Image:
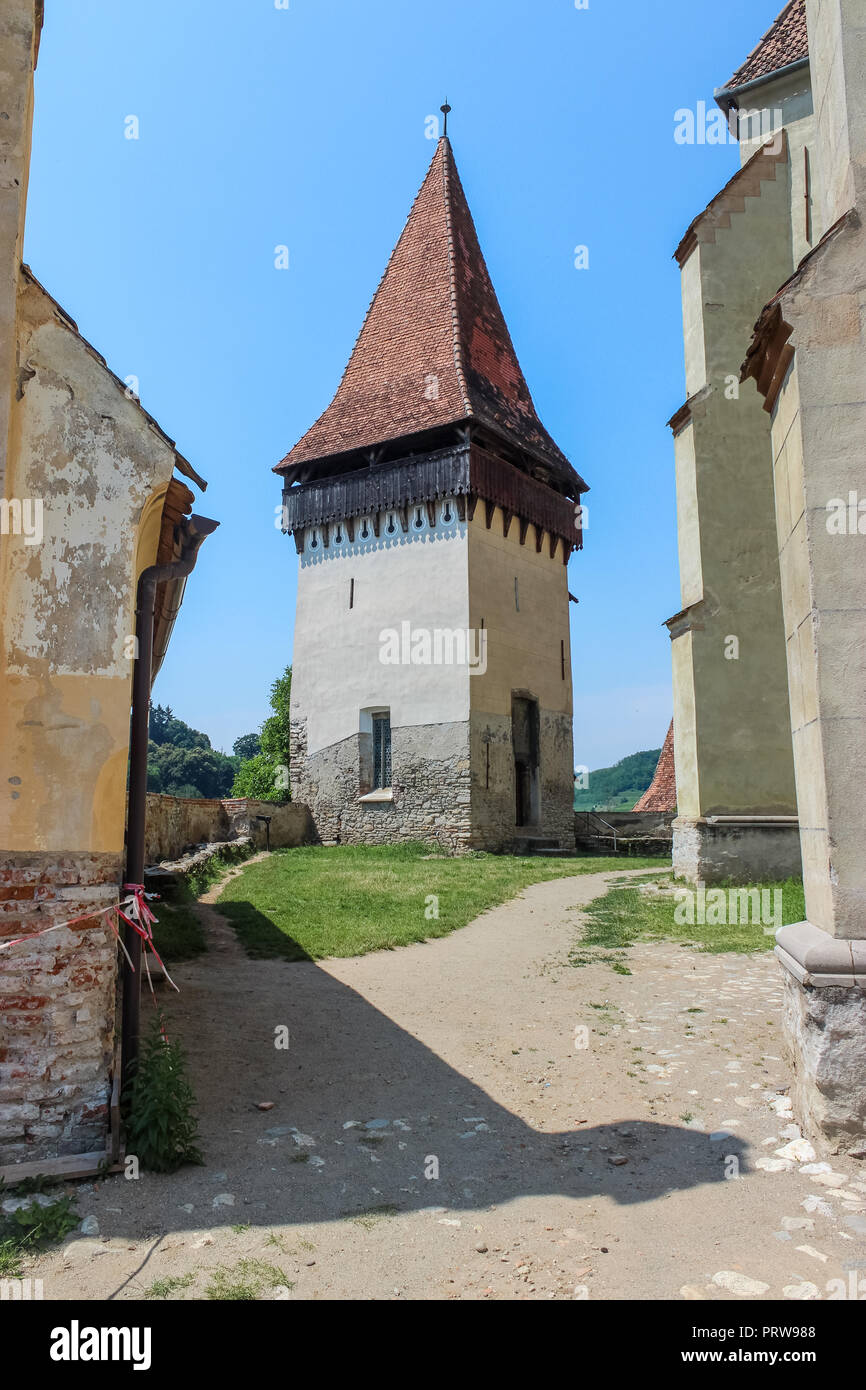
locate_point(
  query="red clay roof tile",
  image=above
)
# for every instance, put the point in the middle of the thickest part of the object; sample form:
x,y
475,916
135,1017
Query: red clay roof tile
x,y
785,42
434,348
661,795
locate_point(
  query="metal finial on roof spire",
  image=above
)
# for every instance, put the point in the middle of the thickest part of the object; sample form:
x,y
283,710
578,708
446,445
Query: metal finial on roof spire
x,y
445,109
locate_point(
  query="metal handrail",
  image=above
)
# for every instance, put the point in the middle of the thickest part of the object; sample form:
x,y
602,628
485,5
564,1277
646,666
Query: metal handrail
x,y
607,824
611,828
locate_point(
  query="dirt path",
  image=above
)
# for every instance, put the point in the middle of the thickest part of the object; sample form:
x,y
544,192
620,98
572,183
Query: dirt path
x,y
564,1170
221,939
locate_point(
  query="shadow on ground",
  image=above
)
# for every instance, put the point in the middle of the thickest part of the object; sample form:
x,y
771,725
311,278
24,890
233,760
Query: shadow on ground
x,y
362,1112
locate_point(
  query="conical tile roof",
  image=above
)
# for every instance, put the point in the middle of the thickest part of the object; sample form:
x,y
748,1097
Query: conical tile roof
x,y
434,349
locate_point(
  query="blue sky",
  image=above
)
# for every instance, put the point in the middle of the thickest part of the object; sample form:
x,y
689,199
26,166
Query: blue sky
x,y
305,127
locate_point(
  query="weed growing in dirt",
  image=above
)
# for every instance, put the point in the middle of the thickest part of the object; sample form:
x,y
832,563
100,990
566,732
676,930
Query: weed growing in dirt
x,y
33,1227
161,1126
162,1288
372,1216
245,1281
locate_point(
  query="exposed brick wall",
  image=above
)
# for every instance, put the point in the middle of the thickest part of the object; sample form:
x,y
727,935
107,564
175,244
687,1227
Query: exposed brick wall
x,y
57,1005
174,823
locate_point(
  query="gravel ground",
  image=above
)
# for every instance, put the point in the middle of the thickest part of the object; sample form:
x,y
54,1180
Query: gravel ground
x,y
473,1117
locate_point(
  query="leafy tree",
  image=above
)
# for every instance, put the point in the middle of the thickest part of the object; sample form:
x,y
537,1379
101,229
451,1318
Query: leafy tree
x,y
160,716
181,761
265,775
275,730
247,746
255,778
186,790
164,728
617,788
192,771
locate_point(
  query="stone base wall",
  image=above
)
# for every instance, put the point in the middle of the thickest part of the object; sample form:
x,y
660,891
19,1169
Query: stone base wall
x,y
705,853
176,825
173,824
57,1006
826,1034
291,823
430,783
494,825
447,789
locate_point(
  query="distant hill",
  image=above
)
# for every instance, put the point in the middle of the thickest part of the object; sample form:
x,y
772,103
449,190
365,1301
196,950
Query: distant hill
x,y
617,788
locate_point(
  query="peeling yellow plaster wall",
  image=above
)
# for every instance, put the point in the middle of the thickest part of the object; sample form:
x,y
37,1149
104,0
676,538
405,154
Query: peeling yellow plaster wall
x,y
100,469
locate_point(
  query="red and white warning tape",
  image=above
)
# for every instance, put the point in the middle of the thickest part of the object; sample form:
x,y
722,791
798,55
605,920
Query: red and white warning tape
x,y
135,913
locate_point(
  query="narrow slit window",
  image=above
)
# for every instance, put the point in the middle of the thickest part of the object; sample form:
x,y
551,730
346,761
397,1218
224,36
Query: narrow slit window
x,y
351,593
562,656
381,751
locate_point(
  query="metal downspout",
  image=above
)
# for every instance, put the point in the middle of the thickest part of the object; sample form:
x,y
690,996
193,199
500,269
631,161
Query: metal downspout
x,y
199,528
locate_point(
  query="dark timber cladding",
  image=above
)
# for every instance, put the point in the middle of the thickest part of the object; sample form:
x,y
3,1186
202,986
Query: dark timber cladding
x,y
465,473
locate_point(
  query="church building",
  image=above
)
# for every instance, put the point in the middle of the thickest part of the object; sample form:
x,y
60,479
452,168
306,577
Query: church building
x,y
434,518
769,646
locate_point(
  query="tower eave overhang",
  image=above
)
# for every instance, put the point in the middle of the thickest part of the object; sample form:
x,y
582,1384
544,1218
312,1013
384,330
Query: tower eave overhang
x,y
726,97
554,472
464,471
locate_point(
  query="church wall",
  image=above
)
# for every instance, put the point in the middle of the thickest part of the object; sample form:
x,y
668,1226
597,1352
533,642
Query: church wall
x,y
819,423
838,61
792,96
728,646
685,726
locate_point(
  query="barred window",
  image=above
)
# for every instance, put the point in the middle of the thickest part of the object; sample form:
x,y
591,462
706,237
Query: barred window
x,y
381,751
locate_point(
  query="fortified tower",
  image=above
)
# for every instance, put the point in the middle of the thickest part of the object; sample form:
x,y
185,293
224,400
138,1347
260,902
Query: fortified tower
x,y
434,518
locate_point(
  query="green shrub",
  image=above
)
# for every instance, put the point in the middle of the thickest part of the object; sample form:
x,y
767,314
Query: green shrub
x,y
161,1128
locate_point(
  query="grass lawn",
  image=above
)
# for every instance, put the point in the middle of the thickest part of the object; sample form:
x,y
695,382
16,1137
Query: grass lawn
x,y
625,915
178,934
312,902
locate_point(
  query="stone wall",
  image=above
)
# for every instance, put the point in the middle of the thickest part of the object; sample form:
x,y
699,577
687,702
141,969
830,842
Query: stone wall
x,y
637,825
706,853
291,822
494,826
175,824
430,786
444,790
56,1006
826,1035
